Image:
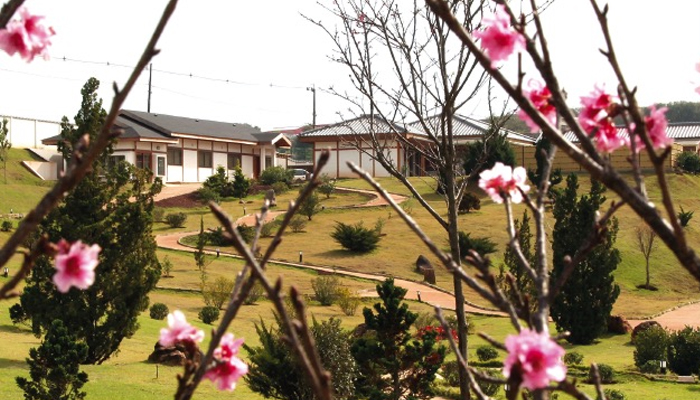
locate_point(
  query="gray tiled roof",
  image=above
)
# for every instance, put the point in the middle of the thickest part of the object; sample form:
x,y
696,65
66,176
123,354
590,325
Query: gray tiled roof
x,y
133,130
356,126
681,131
170,124
467,127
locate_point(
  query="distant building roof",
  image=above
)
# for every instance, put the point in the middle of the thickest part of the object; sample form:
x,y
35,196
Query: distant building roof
x,y
356,126
463,127
680,132
193,128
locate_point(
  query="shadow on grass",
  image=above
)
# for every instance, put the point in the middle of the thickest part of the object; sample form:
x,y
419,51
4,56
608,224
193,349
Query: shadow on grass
x,y
339,253
7,328
7,363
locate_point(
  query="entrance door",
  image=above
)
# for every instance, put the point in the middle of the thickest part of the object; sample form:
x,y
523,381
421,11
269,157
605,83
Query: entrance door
x,y
256,167
160,166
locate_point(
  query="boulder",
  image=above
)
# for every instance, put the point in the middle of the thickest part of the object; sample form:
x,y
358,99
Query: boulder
x,y
422,261
172,356
618,325
642,327
428,274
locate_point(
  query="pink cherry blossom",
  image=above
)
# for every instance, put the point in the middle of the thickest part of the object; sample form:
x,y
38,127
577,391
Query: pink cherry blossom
x,y
541,98
537,357
498,39
656,126
504,180
596,118
26,36
179,330
228,368
75,265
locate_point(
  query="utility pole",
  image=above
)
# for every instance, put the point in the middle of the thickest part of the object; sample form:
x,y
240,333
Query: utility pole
x,y
312,89
150,78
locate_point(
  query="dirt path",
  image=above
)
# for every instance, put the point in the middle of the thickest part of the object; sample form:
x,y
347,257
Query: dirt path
x,y
428,294
674,319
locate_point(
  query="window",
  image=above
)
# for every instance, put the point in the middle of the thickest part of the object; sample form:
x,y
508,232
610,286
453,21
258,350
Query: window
x,y
234,160
143,161
204,159
112,161
689,148
161,165
174,156
268,162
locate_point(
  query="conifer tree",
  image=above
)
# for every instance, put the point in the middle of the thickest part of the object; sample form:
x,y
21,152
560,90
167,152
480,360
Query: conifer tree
x,y
111,207
584,304
391,364
54,367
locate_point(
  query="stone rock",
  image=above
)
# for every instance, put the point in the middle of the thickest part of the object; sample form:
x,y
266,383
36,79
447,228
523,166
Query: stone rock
x,y
642,327
618,325
428,274
172,356
271,198
422,261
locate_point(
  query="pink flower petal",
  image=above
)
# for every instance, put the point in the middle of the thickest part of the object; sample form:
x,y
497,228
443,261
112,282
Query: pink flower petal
x,y
179,330
504,180
541,98
498,39
75,265
538,358
26,36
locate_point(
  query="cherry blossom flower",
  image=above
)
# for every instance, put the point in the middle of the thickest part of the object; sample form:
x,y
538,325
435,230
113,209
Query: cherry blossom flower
x,y
179,330
541,98
596,118
536,357
656,126
503,180
228,368
26,36
498,39
75,265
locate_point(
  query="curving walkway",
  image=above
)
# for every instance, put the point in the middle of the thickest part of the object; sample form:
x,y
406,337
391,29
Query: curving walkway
x,y
675,319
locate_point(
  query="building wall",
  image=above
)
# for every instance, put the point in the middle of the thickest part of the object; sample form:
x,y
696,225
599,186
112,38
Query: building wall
x,y
342,152
28,132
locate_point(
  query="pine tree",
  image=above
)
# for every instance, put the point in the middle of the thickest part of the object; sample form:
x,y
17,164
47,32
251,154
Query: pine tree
x,y
54,367
584,304
111,207
391,364
543,148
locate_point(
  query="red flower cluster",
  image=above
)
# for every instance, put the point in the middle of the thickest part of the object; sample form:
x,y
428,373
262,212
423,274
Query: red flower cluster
x,y
439,332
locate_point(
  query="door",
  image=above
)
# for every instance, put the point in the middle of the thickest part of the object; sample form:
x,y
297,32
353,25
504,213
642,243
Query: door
x,y
256,167
160,166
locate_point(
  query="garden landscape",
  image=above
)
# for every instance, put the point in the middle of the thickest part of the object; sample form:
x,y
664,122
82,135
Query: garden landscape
x,y
548,255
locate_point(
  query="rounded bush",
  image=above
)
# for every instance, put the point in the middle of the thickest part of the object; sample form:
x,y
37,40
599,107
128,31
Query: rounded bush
x,y
614,394
176,220
356,238
689,161
650,367
573,358
469,202
209,314
276,174
486,353
280,187
159,311
650,344
606,372
6,226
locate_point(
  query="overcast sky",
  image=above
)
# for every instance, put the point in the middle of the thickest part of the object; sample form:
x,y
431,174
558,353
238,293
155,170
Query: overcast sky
x,y
269,54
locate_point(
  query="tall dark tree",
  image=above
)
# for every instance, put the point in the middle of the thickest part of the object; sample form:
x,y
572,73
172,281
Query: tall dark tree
x,y
391,364
543,149
111,207
584,304
54,367
275,371
484,153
